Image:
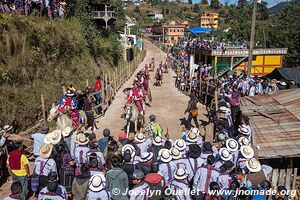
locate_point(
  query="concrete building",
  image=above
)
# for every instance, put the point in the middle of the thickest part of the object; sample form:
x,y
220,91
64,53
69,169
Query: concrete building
x,y
209,19
172,33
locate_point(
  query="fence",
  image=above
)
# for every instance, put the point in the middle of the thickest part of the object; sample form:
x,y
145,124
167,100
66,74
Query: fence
x,y
111,83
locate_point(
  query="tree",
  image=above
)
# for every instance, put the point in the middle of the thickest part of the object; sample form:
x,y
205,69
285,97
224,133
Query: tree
x,y
242,4
262,9
196,8
190,1
204,2
215,4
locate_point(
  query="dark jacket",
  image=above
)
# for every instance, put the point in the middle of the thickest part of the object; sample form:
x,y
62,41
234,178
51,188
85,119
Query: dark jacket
x,y
117,178
80,186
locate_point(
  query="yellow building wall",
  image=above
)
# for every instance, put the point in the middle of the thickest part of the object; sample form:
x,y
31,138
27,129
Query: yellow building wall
x,y
263,64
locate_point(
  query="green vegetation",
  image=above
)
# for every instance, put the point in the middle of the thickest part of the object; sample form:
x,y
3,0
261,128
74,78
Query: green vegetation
x,y
39,56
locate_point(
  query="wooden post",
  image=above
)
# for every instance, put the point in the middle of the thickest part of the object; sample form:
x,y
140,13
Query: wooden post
x,y
200,86
216,83
64,89
43,109
206,92
87,82
102,91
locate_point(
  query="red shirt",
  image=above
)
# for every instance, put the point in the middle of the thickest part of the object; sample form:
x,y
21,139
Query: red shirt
x,y
97,85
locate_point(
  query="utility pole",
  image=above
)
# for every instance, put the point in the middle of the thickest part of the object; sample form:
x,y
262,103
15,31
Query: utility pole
x,y
250,57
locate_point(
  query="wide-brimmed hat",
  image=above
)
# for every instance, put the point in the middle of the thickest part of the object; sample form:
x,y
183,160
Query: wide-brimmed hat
x,y
81,139
253,165
70,93
176,155
47,139
180,144
146,156
46,150
243,141
224,109
195,130
247,152
181,173
158,141
7,128
140,137
194,151
244,130
165,155
97,182
232,145
55,137
130,148
191,137
67,131
225,154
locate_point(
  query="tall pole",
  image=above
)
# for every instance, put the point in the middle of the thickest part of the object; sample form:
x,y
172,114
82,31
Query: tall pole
x,y
250,57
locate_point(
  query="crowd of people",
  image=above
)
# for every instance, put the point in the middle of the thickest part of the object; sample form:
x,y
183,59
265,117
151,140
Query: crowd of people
x,y
50,8
74,164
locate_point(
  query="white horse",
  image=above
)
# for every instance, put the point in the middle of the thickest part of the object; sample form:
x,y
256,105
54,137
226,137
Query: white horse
x,y
63,120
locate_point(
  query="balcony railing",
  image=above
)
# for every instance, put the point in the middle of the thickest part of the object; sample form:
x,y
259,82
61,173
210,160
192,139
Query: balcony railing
x,y
102,14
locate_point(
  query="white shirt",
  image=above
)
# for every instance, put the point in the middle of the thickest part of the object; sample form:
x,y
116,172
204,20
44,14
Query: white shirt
x,y
46,165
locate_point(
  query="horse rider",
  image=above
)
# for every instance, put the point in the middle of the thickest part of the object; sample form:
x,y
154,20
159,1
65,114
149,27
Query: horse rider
x,y
136,95
158,75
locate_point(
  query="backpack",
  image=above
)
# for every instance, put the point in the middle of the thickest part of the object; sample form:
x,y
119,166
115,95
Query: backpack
x,y
153,187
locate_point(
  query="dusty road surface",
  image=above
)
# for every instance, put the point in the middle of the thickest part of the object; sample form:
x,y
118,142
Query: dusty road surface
x,y
168,103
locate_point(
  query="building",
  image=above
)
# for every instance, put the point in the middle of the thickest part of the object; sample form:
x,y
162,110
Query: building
x,y
209,19
155,16
173,32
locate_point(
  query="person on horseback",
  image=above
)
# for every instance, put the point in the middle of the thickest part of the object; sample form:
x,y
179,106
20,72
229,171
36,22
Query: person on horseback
x,y
68,104
136,95
156,129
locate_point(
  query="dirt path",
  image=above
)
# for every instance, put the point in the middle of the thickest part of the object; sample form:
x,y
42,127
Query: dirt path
x,y
168,103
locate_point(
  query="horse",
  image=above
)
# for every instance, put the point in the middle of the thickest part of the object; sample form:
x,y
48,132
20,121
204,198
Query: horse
x,y
63,120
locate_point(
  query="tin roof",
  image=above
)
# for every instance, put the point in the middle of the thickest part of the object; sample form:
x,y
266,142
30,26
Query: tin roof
x,y
275,122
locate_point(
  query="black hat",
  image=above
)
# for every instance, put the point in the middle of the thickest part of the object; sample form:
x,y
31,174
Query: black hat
x,y
207,146
228,165
195,150
106,132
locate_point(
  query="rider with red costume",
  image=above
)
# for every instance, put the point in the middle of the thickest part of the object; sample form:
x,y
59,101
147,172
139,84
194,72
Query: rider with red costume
x,y
136,95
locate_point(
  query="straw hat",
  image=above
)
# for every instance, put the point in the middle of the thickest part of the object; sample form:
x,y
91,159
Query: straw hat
x,y
67,131
195,131
253,165
247,152
181,173
180,144
146,156
97,182
46,150
165,155
191,137
130,148
225,154
47,139
244,130
55,137
232,145
243,141
176,155
140,137
7,127
157,141
81,139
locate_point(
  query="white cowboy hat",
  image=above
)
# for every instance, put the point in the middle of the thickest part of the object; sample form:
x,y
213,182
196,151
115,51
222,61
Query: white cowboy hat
x,y
47,139
176,155
140,137
244,130
97,182
55,137
195,130
181,173
157,141
225,154
224,109
130,148
253,165
247,152
191,137
232,145
67,131
81,139
180,144
165,155
46,150
146,156
243,141
7,127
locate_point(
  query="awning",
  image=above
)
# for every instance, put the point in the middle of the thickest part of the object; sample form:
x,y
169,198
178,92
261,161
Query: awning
x,y
290,74
198,30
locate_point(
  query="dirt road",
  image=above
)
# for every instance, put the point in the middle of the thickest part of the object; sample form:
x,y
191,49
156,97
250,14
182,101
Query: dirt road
x,y
168,103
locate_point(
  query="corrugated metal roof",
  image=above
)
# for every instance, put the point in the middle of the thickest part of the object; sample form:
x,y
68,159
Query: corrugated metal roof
x,y
275,122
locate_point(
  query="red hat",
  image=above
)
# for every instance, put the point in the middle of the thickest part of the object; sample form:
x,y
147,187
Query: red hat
x,y
122,135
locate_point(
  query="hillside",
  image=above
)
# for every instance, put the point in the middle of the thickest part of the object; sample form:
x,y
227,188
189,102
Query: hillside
x,y
280,6
39,56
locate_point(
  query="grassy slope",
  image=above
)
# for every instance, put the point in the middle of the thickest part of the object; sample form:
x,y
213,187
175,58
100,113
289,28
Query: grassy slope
x,y
39,56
